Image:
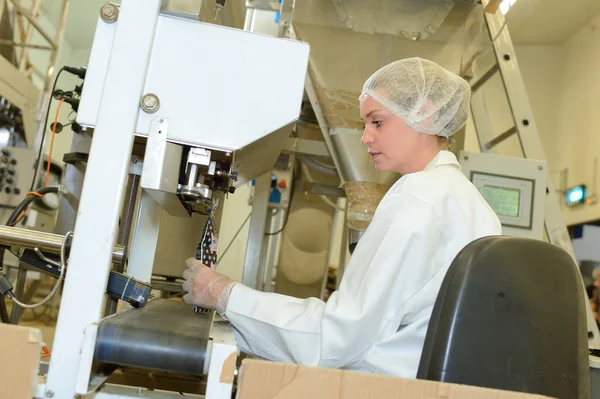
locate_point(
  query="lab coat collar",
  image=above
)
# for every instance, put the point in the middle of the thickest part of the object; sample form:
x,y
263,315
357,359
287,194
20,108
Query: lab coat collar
x,y
443,158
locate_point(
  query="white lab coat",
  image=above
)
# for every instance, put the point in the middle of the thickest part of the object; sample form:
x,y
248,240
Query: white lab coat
x,y
377,320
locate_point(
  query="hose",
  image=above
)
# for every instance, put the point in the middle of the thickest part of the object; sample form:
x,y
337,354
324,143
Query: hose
x,y
27,201
12,220
318,166
63,264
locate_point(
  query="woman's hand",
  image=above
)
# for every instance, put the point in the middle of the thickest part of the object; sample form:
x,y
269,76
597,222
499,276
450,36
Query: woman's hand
x,y
205,287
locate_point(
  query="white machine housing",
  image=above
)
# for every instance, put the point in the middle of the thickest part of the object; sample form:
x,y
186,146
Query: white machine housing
x,y
232,93
222,92
515,188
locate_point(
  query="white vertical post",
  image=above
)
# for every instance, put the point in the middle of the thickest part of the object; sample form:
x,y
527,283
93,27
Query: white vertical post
x,y
256,231
96,226
145,239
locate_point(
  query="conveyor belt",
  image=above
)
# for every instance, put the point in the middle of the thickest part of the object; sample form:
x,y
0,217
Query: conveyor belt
x,y
164,335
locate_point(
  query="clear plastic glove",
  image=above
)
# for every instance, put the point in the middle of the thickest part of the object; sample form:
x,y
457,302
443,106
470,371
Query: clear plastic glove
x,y
205,287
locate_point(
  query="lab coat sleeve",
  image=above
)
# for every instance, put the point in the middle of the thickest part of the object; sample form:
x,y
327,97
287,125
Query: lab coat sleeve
x,y
393,261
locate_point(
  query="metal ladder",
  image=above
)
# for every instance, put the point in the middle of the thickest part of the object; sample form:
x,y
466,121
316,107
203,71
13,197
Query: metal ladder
x,y
526,130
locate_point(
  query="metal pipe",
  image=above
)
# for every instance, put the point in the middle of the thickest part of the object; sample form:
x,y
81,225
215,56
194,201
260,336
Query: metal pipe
x,y
15,314
127,216
311,163
31,19
46,242
6,42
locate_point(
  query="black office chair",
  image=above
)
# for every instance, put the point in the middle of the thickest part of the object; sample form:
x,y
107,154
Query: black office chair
x,y
510,315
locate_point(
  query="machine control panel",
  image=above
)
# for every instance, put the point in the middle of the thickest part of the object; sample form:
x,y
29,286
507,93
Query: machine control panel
x,y
515,188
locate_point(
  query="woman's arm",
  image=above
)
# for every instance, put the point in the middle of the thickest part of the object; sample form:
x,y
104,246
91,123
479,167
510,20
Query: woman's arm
x,y
393,260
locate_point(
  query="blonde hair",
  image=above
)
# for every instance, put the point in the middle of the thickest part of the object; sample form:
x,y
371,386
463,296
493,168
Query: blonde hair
x,y
447,143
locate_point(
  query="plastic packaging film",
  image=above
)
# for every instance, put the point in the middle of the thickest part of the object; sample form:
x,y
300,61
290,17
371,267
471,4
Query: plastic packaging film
x,y
363,199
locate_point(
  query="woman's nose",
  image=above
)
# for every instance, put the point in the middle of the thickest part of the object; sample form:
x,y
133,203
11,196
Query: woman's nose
x,y
366,138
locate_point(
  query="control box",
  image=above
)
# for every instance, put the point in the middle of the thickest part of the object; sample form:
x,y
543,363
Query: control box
x,y
515,188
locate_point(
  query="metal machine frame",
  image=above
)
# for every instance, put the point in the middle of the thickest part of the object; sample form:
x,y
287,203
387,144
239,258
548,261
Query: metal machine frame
x,y
125,61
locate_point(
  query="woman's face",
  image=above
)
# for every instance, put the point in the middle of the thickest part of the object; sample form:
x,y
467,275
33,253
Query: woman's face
x,y
392,144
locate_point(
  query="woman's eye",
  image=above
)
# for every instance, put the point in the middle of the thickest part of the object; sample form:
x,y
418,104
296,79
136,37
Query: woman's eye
x,y
377,123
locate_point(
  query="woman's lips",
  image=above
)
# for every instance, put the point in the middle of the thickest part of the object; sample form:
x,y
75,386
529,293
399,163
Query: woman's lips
x,y
375,155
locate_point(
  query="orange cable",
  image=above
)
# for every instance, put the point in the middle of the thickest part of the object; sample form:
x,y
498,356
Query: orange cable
x,y
45,351
52,141
20,216
35,193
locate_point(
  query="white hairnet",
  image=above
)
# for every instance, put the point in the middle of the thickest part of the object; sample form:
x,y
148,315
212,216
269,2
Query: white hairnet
x,y
429,98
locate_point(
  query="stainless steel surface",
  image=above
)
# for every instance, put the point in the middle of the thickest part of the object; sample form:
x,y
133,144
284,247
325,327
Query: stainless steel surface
x,y
199,156
73,181
262,5
308,147
164,335
192,175
109,13
319,189
161,168
125,224
127,216
46,242
189,9
354,161
259,157
256,231
19,289
369,35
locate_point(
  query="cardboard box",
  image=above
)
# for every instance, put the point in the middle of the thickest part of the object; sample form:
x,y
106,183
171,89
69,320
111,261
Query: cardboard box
x,y
267,380
21,349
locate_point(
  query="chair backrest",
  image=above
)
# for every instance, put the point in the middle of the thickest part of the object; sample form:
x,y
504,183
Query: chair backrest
x,y
510,315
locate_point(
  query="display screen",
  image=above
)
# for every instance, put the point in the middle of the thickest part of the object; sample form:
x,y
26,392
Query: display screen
x,y
504,201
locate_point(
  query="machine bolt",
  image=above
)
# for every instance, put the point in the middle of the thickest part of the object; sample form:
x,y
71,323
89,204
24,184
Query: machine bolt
x,y
150,103
49,393
540,168
109,13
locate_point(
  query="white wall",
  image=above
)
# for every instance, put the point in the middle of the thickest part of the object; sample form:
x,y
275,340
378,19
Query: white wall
x,y
40,61
579,116
586,247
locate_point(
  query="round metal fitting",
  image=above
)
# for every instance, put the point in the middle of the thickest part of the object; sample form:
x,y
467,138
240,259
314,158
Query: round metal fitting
x,y
49,393
109,13
150,103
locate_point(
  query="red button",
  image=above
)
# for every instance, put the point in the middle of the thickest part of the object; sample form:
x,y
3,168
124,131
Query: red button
x,y
281,183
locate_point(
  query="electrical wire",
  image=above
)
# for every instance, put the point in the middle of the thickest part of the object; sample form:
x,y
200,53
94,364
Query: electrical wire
x,y
63,265
287,214
233,239
39,157
29,198
52,142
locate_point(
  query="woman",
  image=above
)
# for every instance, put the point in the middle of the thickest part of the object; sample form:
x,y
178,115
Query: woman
x,y
377,320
